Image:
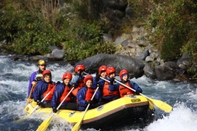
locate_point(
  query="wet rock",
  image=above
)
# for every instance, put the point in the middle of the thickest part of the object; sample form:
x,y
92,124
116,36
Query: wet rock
x,y
134,66
149,71
107,38
164,73
57,54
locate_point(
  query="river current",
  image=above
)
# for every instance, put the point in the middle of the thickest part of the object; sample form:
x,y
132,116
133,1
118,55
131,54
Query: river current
x,y
14,76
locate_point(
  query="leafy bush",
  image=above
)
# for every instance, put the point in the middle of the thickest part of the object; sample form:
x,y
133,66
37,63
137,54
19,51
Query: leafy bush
x,y
175,29
85,40
30,27
26,30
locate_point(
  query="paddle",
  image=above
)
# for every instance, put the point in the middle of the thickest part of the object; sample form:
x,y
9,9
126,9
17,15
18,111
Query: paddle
x,y
38,77
44,125
160,104
21,119
32,88
78,124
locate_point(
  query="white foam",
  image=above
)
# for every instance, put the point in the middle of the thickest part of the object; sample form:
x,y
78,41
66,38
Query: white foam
x,y
181,118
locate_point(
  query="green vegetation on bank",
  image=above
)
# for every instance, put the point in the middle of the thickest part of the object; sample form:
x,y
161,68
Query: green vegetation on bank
x,y
30,26
175,29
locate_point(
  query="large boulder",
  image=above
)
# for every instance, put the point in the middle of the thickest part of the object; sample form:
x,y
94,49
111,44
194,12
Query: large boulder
x,y
134,66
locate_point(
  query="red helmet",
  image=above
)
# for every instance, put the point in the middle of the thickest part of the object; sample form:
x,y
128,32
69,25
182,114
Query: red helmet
x,y
123,72
110,70
46,72
88,77
67,75
101,69
79,67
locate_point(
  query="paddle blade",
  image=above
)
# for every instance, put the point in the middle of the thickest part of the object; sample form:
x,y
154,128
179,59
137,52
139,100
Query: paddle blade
x,y
77,126
161,105
44,125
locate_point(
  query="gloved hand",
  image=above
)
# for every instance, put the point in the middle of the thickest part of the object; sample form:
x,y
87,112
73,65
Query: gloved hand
x,y
89,102
80,72
137,92
97,77
74,85
98,85
58,82
112,80
54,109
38,102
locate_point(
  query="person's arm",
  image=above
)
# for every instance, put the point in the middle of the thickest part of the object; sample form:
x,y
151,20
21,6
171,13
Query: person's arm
x,y
97,95
136,87
81,97
31,79
57,94
36,93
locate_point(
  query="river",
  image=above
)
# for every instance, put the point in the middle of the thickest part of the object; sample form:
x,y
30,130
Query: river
x,y
14,75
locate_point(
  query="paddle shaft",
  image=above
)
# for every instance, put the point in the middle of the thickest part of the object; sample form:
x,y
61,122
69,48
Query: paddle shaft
x,y
160,104
44,125
89,103
32,88
65,98
41,101
78,124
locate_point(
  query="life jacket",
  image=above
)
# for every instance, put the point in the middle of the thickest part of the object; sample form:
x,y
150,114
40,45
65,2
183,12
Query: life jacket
x,y
64,94
80,84
124,90
107,92
38,76
51,89
89,94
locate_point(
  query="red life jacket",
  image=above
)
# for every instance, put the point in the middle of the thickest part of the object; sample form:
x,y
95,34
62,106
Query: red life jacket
x,y
107,92
64,94
80,85
124,90
89,94
51,89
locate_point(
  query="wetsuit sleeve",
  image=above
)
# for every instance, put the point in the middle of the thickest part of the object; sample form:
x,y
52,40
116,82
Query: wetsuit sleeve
x,y
113,87
32,78
136,87
37,91
94,84
101,83
81,97
57,94
40,88
97,95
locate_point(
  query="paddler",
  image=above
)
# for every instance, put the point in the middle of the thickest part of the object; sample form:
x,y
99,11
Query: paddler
x,y
44,89
124,77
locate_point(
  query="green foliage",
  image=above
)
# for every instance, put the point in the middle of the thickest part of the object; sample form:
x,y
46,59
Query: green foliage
x,y
173,21
27,32
85,40
30,27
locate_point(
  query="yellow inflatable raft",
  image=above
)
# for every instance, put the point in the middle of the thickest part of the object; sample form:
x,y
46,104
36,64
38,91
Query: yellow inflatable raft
x,y
118,112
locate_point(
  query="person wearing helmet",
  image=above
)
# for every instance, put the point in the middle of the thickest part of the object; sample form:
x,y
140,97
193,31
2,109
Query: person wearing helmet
x,y
124,77
77,80
35,77
61,91
110,89
85,94
44,89
97,80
